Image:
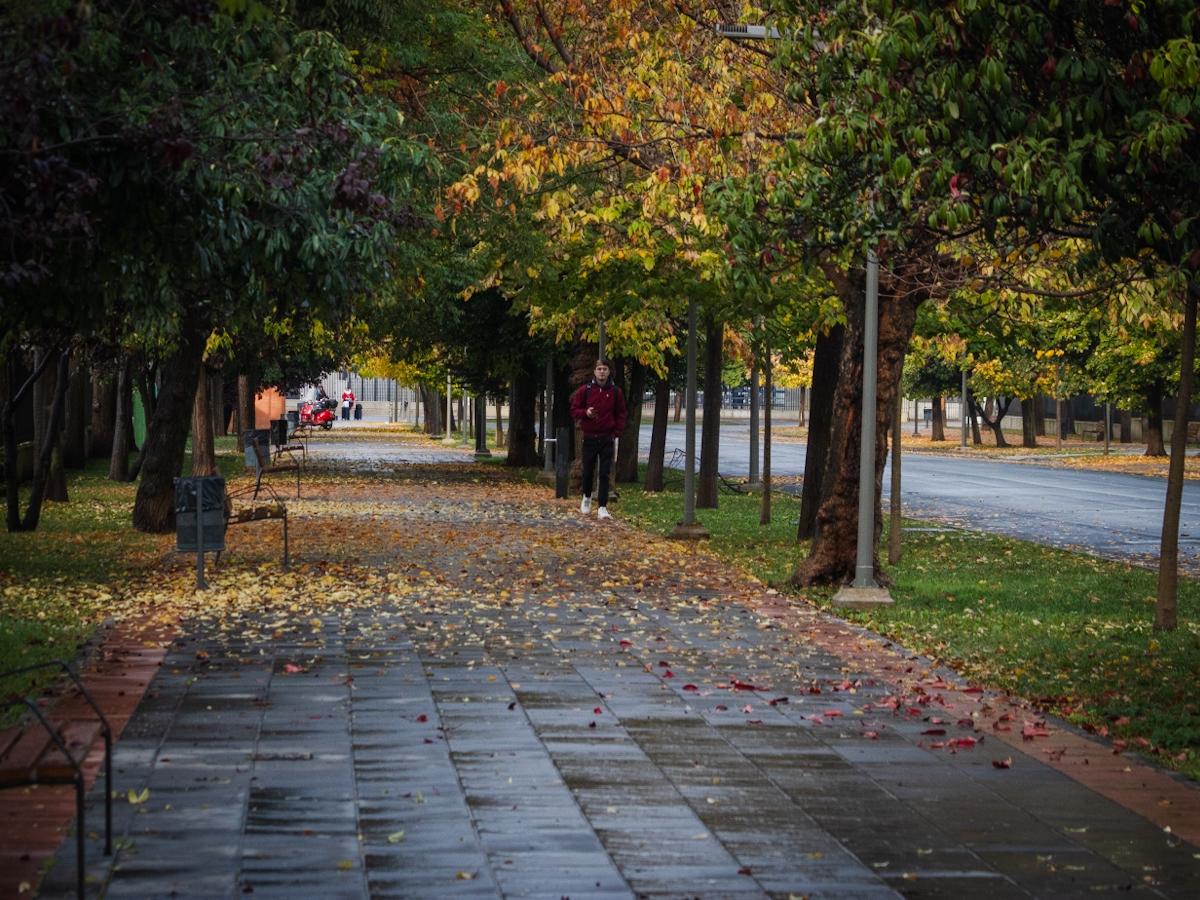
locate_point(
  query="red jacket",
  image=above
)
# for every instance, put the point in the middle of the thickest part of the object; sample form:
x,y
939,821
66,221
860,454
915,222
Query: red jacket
x,y
608,404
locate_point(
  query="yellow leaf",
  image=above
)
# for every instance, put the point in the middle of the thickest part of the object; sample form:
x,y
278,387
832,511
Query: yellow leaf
x,y
135,797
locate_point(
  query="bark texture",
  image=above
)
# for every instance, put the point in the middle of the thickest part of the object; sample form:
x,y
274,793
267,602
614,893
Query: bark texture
x,y
1029,434
625,469
658,435
832,559
1166,607
522,421
938,417
76,417
204,457
826,359
45,390
166,435
103,413
118,462
1152,425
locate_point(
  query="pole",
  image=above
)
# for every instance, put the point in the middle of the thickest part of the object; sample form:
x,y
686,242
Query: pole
x,y
449,437
963,406
754,418
1107,425
916,416
1058,435
864,569
601,341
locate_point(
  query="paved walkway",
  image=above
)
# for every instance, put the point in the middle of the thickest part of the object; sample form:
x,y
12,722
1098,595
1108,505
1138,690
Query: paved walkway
x,y
533,704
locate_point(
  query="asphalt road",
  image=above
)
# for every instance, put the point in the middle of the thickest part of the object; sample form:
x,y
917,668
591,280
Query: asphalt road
x,y
1112,515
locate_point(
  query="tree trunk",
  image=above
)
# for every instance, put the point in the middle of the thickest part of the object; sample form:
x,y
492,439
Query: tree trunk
x,y
678,405
1167,600
658,435
764,512
103,413
1126,418
499,423
800,414
1029,421
522,419
50,451
995,419
938,417
118,462
216,399
833,555
45,389
204,457
166,434
13,397
74,437
626,468
895,531
710,432
1039,415
1152,427
245,406
826,359
976,436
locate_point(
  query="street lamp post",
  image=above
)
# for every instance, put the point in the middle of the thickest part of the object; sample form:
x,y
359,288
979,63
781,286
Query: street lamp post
x,y
865,590
448,440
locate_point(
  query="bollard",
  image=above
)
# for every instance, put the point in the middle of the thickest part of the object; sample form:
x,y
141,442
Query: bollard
x,y
562,462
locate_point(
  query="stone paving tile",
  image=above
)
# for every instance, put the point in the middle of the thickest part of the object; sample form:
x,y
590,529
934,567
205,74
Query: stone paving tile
x,y
497,737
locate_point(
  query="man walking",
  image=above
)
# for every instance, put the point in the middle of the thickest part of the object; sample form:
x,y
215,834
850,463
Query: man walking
x,y
599,408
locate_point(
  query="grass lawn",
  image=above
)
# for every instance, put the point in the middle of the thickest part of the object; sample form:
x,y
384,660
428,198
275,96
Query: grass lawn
x,y
1068,631
55,581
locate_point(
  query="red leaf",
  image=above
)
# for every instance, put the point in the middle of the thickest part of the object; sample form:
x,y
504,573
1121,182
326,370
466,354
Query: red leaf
x,y
720,707
668,674
833,713
625,643
954,191
973,689
597,711
754,721
744,685
871,735
778,700
1034,730
745,870
690,687
1005,763
963,742
663,664
292,668
422,718
934,731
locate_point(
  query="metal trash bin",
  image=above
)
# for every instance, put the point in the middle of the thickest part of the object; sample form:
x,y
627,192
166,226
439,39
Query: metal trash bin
x,y
279,432
206,530
262,436
358,410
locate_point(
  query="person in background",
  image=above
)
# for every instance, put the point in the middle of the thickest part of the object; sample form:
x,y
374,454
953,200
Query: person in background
x,y
347,402
599,409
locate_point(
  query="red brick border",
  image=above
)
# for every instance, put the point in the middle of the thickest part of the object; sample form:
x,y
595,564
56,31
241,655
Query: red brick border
x,y
34,820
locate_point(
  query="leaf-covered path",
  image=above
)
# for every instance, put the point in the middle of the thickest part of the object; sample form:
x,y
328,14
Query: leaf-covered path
x,y
465,688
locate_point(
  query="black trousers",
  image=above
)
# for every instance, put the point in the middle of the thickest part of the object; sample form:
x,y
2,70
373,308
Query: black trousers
x,y
597,448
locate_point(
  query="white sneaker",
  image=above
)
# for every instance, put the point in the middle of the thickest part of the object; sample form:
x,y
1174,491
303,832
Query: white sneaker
x,y
602,513
585,505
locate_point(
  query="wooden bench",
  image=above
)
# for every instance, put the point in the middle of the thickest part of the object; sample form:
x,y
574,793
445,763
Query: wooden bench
x,y
264,465
247,514
45,750
1093,430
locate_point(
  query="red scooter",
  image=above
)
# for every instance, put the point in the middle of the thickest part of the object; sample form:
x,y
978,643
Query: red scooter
x,y
318,413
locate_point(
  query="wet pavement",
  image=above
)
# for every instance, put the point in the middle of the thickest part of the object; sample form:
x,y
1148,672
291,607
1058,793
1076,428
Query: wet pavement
x,y
538,705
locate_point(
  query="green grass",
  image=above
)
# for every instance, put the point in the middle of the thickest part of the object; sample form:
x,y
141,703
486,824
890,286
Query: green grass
x,y
53,580
1070,632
